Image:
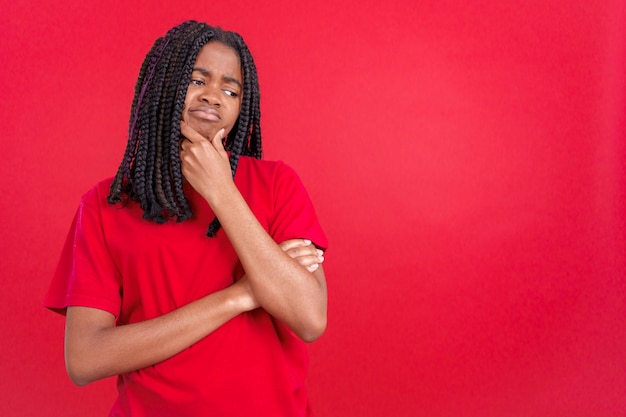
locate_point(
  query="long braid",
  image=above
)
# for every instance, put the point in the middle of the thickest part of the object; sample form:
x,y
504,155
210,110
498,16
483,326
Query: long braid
x,y
144,79
150,171
167,95
166,116
156,195
161,93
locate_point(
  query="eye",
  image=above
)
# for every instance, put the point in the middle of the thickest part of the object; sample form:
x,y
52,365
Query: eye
x,y
230,93
197,81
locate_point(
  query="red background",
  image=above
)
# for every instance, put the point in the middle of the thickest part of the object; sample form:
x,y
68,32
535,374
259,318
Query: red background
x,y
467,160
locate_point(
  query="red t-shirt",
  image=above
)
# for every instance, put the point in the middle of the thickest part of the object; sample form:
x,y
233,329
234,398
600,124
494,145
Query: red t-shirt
x,y
116,261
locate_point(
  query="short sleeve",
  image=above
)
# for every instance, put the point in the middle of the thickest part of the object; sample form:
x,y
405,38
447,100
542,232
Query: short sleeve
x,y
86,275
294,214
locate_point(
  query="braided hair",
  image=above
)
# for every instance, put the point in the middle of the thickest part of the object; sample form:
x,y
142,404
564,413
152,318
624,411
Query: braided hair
x,y
150,171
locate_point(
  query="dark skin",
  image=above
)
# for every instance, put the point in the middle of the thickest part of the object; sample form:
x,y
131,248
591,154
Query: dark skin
x,y
286,279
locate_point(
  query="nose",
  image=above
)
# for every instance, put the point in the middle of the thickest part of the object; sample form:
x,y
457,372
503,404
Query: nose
x,y
210,95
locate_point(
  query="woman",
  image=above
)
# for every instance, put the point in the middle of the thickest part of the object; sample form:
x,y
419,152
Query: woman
x,y
195,323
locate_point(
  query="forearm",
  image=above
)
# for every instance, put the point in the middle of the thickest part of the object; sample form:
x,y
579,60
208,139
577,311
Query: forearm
x,y
284,288
97,351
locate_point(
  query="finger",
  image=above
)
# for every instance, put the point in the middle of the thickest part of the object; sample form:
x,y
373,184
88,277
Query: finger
x,y
217,140
307,252
294,243
307,260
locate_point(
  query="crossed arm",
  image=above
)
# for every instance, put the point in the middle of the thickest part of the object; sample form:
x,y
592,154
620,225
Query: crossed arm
x,y
287,280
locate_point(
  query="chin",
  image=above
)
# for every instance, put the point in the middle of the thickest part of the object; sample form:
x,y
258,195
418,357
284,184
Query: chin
x,y
206,132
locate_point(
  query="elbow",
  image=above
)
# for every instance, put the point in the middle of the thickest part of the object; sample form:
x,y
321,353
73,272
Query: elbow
x,y
77,376
313,330
79,382
80,375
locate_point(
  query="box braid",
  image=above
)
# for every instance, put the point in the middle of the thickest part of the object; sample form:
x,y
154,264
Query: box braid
x,y
150,171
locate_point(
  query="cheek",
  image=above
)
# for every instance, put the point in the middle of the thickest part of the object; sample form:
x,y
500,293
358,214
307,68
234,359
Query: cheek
x,y
189,94
235,114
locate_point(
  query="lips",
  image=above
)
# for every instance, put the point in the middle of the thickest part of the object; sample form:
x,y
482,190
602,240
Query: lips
x,y
205,113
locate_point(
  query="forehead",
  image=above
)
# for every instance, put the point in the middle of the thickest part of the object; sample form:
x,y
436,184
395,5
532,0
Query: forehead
x,y
217,57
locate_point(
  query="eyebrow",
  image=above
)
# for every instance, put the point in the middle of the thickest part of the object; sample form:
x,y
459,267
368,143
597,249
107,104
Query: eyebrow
x,y
206,73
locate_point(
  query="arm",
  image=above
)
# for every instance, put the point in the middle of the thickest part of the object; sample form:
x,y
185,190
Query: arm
x,y
95,348
282,287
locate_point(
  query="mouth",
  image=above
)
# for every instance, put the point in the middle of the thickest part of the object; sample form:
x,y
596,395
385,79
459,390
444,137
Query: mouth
x,y
205,113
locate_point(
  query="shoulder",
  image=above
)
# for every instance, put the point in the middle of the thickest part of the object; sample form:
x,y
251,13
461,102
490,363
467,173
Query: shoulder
x,y
276,178
266,181
263,169
248,162
97,195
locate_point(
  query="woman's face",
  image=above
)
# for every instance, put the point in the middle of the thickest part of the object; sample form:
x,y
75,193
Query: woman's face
x,y
213,99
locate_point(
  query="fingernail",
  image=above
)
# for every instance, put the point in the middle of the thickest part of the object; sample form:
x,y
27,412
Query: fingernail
x,y
313,267
319,252
306,241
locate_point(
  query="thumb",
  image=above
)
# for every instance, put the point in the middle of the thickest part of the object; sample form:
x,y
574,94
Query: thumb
x,y
217,140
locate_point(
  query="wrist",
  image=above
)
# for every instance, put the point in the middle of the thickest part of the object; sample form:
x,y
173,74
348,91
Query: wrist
x,y
218,196
240,297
